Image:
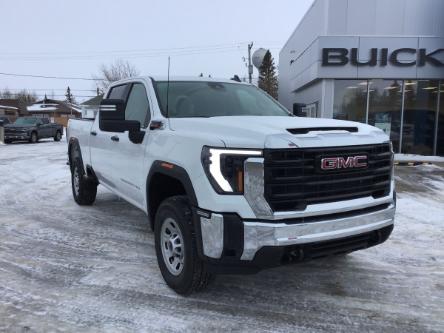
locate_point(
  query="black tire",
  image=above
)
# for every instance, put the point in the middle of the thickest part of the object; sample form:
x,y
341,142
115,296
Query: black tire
x,y
84,190
194,275
58,136
34,137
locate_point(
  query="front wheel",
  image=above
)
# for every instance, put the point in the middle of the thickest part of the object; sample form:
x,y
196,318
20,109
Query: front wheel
x,y
34,138
58,136
176,251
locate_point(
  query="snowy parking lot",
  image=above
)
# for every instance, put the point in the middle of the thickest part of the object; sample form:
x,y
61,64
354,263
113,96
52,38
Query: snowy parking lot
x,y
74,269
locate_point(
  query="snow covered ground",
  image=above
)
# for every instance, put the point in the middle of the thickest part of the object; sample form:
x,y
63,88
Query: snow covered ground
x,y
75,269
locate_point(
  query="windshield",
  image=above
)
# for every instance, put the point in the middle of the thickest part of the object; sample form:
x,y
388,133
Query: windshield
x,y
25,121
213,99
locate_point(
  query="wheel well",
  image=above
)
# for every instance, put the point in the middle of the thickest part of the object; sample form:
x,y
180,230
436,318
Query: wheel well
x,y
162,186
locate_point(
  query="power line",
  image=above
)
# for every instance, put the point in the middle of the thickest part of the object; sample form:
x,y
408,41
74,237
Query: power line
x,y
50,77
156,50
130,55
46,89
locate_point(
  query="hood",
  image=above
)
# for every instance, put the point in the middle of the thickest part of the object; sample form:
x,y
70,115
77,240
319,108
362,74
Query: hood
x,y
18,126
281,132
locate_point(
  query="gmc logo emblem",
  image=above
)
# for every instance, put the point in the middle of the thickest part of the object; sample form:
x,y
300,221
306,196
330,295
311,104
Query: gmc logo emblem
x,y
333,163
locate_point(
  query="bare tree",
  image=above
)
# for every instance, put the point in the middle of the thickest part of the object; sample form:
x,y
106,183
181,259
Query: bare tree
x,y
24,96
119,70
6,94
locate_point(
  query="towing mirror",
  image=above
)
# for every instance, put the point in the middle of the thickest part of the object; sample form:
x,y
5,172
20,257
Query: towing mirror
x,y
112,119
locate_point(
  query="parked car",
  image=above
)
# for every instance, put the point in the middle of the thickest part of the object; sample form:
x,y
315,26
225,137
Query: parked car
x,y
230,180
32,129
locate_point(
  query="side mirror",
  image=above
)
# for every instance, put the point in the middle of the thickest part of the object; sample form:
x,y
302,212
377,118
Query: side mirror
x,y
112,119
297,109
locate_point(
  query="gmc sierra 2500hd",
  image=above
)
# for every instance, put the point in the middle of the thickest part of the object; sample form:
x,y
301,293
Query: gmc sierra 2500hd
x,y
230,180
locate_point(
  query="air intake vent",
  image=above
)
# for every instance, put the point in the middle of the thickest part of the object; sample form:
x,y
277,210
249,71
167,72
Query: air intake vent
x,y
319,129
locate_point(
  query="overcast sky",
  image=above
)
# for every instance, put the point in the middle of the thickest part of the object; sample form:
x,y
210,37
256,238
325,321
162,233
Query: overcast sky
x,y
73,38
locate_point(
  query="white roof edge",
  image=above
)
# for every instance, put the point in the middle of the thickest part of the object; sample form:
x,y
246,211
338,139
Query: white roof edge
x,y
8,107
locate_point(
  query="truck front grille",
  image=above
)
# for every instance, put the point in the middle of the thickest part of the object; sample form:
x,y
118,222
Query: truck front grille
x,y
293,178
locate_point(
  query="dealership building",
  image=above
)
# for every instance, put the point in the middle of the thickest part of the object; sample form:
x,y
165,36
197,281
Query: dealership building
x,y
374,61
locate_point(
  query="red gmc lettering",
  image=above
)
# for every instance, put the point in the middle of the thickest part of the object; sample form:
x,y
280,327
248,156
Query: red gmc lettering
x,y
331,163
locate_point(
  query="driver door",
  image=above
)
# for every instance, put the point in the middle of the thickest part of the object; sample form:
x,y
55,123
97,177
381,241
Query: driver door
x,y
130,172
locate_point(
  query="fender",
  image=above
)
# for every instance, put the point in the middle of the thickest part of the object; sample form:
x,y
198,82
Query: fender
x,y
174,171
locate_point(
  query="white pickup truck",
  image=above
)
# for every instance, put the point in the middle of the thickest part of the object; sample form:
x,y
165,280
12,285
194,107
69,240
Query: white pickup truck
x,y
232,182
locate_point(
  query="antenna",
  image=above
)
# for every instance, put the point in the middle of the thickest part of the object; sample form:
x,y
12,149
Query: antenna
x,y
168,86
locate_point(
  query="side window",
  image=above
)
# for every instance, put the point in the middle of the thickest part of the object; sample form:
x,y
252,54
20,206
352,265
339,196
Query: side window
x,y
118,92
45,121
138,107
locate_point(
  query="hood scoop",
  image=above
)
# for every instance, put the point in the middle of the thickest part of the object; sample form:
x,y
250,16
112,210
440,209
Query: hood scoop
x,y
321,129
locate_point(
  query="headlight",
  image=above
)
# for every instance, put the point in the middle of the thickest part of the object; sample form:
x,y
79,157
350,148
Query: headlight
x,y
225,168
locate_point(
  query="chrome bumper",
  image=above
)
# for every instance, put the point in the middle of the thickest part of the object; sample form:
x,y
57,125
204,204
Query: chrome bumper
x,y
258,235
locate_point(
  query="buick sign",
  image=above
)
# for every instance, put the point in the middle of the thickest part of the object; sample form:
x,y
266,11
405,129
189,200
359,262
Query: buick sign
x,y
342,56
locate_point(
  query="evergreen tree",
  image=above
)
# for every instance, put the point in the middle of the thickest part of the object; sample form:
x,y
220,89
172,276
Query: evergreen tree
x,y
267,76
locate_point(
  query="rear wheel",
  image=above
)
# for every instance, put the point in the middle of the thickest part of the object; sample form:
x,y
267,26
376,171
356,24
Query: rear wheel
x,y
34,138
176,251
58,136
84,190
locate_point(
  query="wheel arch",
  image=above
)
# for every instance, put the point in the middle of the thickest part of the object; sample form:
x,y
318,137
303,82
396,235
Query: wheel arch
x,y
86,169
165,180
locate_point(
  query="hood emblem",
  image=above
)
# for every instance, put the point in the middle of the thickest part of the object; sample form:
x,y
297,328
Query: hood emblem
x,y
350,162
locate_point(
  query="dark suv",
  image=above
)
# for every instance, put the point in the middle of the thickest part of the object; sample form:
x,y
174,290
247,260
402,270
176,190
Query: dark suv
x,y
32,129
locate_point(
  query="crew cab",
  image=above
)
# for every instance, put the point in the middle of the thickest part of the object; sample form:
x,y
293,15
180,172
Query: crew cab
x,y
230,181
32,129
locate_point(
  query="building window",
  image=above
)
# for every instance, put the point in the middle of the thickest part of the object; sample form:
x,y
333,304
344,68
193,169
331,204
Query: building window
x,y
384,109
411,112
420,107
350,100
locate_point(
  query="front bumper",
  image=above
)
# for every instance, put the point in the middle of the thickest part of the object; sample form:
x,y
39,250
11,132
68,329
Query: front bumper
x,y
228,241
258,235
16,136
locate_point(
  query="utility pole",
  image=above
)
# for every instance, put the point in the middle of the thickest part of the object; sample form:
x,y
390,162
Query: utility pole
x,y
250,66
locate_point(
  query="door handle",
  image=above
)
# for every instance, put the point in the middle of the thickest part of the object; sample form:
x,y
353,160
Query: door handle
x,y
93,133
115,138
